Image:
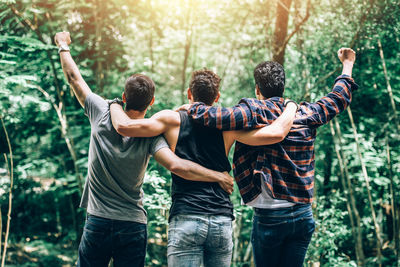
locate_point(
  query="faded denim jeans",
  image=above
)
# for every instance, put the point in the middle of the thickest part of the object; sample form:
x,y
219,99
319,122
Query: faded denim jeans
x,y
196,240
104,239
281,237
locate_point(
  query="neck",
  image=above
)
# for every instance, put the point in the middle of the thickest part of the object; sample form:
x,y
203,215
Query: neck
x,y
134,114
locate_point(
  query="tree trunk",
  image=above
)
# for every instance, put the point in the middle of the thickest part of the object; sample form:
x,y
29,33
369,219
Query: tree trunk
x,y
389,87
61,107
64,132
236,237
1,228
327,171
366,178
188,43
74,221
281,27
10,168
354,215
393,204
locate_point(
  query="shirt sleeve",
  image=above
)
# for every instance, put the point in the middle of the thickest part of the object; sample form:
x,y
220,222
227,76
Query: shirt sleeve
x,y
95,107
334,103
158,143
238,117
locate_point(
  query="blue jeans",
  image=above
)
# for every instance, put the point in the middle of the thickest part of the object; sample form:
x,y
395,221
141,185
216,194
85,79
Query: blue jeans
x,y
281,237
194,240
103,239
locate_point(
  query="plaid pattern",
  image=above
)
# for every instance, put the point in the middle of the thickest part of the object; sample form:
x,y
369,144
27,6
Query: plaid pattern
x,y
287,168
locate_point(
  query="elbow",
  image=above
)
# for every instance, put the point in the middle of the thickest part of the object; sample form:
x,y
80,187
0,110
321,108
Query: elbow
x,y
121,128
280,134
177,168
71,77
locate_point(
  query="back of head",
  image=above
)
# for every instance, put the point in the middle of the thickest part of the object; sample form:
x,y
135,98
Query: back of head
x,y
204,86
270,78
139,91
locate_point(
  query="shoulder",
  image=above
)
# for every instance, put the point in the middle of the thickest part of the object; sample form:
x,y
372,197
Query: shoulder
x,y
95,98
253,102
257,106
168,116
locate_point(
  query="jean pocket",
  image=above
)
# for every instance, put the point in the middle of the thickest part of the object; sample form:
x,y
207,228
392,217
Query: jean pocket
x,y
92,241
307,227
97,224
269,233
226,236
184,233
136,241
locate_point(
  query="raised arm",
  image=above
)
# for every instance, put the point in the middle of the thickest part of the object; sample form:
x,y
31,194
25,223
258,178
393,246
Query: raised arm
x,y
71,71
192,171
339,98
154,126
270,134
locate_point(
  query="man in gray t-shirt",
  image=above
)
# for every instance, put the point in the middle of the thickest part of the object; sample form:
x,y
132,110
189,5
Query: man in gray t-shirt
x,y
116,222
120,162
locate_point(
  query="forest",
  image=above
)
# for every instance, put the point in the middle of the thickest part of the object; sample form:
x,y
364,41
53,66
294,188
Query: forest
x,y
44,134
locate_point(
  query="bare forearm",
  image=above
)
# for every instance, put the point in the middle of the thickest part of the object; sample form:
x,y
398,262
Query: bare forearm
x,y
156,125
285,121
347,68
74,77
270,134
119,118
195,172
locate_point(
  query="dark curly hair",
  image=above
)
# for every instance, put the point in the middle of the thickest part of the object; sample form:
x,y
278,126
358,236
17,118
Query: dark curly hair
x,y
204,85
139,91
270,78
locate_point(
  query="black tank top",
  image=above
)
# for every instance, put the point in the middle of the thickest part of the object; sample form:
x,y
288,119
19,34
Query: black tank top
x,y
204,146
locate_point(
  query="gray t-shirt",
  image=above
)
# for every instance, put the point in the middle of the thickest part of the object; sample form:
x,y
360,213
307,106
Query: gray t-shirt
x,y
116,167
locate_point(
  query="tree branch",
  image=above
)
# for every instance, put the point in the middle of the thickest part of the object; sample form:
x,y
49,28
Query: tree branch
x,y
296,29
10,169
64,132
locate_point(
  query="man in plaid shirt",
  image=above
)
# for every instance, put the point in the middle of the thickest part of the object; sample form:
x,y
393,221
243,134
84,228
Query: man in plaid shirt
x,y
278,180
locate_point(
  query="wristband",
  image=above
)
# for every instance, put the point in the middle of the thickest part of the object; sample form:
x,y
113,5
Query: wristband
x,y
63,47
287,102
116,101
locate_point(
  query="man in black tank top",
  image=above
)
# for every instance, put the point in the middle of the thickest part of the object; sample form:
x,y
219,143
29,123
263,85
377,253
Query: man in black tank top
x,y
200,221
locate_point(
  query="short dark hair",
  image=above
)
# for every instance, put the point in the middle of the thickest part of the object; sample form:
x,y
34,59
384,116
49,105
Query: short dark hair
x,y
270,78
139,91
204,85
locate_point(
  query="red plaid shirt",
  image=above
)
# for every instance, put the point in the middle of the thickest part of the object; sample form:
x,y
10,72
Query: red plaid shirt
x,y
287,168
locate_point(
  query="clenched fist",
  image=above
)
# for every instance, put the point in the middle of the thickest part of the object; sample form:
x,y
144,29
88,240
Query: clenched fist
x,y
346,54
62,38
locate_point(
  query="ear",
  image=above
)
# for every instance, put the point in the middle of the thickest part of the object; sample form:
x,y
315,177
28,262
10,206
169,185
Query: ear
x,y
152,101
217,98
189,95
258,93
123,97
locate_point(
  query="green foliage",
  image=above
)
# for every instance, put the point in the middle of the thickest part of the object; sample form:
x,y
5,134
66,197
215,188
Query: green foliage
x,y
113,39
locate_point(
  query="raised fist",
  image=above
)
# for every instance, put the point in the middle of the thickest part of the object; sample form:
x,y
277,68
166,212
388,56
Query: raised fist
x,y
62,38
346,54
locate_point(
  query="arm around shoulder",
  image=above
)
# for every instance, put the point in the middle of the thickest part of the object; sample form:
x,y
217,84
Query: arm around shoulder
x,y
270,134
192,171
154,126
